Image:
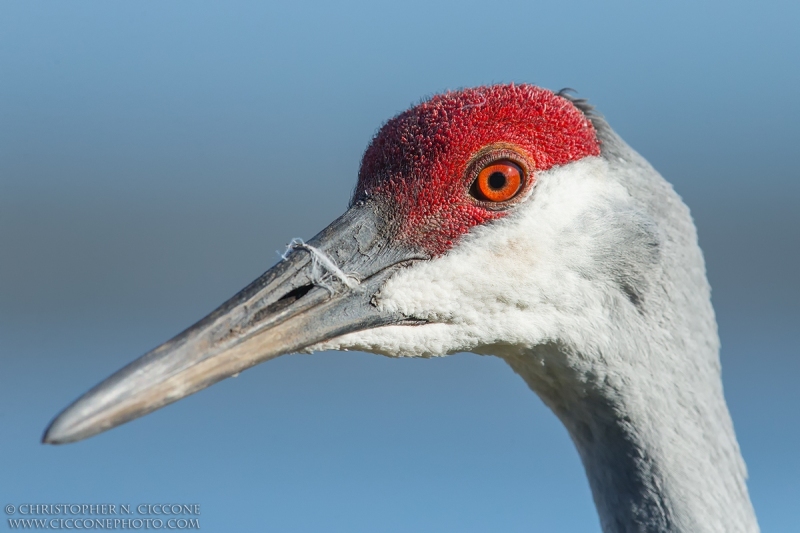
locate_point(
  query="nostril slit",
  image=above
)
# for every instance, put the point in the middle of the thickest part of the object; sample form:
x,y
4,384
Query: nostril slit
x,y
282,303
297,293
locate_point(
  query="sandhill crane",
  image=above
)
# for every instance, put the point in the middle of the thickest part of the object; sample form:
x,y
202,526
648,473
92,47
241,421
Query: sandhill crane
x,y
510,221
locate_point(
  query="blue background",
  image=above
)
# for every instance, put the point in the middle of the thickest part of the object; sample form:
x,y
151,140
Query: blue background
x,y
155,155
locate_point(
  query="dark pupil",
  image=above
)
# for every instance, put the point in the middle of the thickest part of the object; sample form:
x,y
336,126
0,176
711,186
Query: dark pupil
x,y
497,180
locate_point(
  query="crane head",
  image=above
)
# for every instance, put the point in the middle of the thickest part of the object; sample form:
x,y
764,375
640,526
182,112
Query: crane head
x,y
483,220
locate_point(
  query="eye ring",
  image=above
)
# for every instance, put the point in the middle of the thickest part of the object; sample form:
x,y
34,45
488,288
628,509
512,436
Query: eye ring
x,y
499,175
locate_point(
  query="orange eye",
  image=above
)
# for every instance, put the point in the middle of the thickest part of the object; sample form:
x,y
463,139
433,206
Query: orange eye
x,y
499,181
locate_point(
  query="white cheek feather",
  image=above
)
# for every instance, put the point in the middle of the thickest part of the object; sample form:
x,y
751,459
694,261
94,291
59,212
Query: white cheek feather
x,y
503,283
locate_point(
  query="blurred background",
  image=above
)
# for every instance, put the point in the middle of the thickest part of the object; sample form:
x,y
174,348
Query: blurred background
x,y
154,156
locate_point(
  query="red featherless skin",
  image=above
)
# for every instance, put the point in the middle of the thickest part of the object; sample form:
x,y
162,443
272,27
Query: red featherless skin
x,y
419,161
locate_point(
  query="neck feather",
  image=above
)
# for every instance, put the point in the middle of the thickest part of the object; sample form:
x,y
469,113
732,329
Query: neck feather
x,y
658,447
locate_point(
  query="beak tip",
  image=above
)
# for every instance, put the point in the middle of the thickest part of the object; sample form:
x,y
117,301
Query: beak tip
x,y
48,439
50,436
64,429
56,433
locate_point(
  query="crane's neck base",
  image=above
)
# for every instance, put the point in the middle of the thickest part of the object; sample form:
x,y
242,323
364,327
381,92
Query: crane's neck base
x,y
657,460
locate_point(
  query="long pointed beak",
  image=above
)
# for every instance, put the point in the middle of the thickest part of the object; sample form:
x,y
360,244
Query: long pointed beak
x,y
321,290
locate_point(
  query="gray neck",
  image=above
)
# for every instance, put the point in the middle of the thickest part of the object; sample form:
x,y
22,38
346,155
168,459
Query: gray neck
x,y
660,455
